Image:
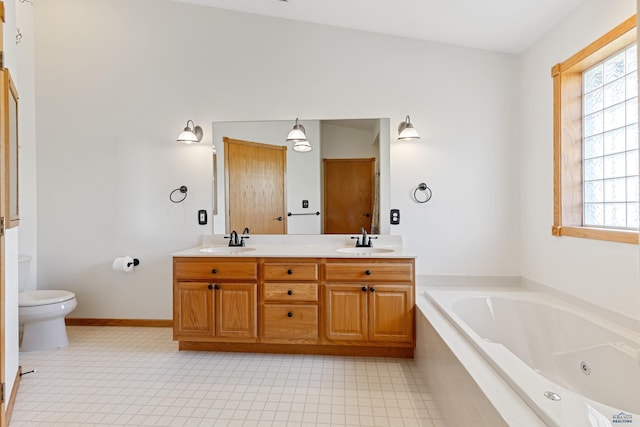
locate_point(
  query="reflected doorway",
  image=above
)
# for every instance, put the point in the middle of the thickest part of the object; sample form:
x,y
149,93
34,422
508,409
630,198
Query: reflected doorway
x,y
255,186
348,195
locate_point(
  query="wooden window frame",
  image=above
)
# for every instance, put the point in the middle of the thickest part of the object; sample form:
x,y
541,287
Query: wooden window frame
x,y
567,136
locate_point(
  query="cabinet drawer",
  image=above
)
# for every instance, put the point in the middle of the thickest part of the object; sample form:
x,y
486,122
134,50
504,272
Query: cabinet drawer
x,y
364,271
290,271
290,321
211,269
290,292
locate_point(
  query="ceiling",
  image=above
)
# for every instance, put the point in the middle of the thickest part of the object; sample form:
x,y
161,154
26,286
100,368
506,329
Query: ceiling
x,y
499,25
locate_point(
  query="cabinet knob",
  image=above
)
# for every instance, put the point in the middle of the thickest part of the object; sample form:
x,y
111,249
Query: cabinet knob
x,y
367,272
364,289
289,271
372,289
214,271
289,292
210,287
216,287
290,314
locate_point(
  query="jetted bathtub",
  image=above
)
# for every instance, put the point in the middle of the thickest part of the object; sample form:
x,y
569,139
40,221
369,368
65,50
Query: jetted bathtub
x,y
569,366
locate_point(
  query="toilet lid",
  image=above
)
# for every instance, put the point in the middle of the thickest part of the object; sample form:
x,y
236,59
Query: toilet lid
x,y
43,297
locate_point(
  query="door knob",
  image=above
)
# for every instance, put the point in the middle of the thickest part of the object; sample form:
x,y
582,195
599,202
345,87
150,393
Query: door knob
x,y
279,218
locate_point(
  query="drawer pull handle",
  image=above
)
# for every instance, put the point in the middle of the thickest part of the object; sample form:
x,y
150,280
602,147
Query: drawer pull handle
x,y
289,271
210,287
214,271
368,272
290,314
289,292
216,287
364,289
372,289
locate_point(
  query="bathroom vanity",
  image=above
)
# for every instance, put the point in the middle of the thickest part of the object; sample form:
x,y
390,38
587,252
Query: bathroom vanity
x,y
285,297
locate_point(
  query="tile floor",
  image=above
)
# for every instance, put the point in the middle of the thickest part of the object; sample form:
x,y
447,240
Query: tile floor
x,y
136,376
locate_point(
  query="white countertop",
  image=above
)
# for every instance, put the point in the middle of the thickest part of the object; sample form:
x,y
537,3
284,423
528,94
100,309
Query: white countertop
x,y
300,246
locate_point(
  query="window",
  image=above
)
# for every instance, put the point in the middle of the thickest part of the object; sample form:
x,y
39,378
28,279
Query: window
x,y
596,140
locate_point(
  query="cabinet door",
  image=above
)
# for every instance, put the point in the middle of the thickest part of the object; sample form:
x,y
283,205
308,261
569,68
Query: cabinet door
x,y
391,313
236,310
193,310
345,312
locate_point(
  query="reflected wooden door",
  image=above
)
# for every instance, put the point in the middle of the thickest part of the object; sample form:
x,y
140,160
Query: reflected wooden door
x,y
255,186
348,195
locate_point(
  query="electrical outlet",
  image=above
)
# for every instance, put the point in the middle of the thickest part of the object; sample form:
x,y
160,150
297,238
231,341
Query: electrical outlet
x,y
395,216
305,204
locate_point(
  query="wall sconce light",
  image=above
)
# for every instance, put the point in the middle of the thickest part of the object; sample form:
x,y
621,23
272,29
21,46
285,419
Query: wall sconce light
x,y
406,131
190,134
298,136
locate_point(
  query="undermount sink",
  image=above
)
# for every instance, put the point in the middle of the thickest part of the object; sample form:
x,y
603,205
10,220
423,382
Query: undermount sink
x,y
227,250
364,251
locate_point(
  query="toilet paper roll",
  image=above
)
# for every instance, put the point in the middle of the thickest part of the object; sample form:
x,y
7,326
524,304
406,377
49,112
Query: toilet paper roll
x,y
123,263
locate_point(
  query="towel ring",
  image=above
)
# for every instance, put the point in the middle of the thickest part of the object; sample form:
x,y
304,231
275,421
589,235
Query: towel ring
x,y
422,187
183,190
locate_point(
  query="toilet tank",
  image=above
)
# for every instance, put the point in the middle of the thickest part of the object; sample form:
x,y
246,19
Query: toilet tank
x,y
24,262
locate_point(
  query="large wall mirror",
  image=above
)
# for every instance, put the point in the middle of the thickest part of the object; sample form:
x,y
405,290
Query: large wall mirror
x,y
339,187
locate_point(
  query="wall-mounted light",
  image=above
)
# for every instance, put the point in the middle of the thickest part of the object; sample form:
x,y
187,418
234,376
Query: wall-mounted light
x,y
298,136
190,134
406,132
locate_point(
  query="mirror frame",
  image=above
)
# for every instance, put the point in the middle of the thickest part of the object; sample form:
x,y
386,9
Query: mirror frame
x,y
10,149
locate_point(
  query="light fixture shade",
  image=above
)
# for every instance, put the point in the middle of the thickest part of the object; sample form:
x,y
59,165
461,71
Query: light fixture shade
x,y
299,136
191,134
302,146
406,131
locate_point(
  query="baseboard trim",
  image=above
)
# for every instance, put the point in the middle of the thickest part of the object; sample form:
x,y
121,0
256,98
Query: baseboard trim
x,y
14,394
321,349
148,323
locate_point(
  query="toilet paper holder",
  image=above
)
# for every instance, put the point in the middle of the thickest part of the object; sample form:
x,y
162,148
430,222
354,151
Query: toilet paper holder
x,y
125,263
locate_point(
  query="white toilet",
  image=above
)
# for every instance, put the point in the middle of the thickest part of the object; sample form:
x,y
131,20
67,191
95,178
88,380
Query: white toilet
x,y
42,313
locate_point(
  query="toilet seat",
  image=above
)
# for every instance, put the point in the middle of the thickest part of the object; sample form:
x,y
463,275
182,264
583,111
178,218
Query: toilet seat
x,y
43,297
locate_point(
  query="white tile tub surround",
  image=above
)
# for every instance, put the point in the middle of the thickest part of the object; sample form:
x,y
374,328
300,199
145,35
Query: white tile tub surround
x,y
136,376
561,328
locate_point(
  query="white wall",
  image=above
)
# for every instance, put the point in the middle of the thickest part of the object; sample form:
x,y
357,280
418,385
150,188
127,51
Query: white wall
x,y
116,81
601,272
342,142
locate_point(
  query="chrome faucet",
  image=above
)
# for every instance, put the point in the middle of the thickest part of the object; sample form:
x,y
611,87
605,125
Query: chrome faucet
x,y
366,240
233,239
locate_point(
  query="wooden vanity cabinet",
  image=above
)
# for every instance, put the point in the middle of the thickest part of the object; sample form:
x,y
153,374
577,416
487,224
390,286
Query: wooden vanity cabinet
x,y
215,299
339,306
289,301
369,302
